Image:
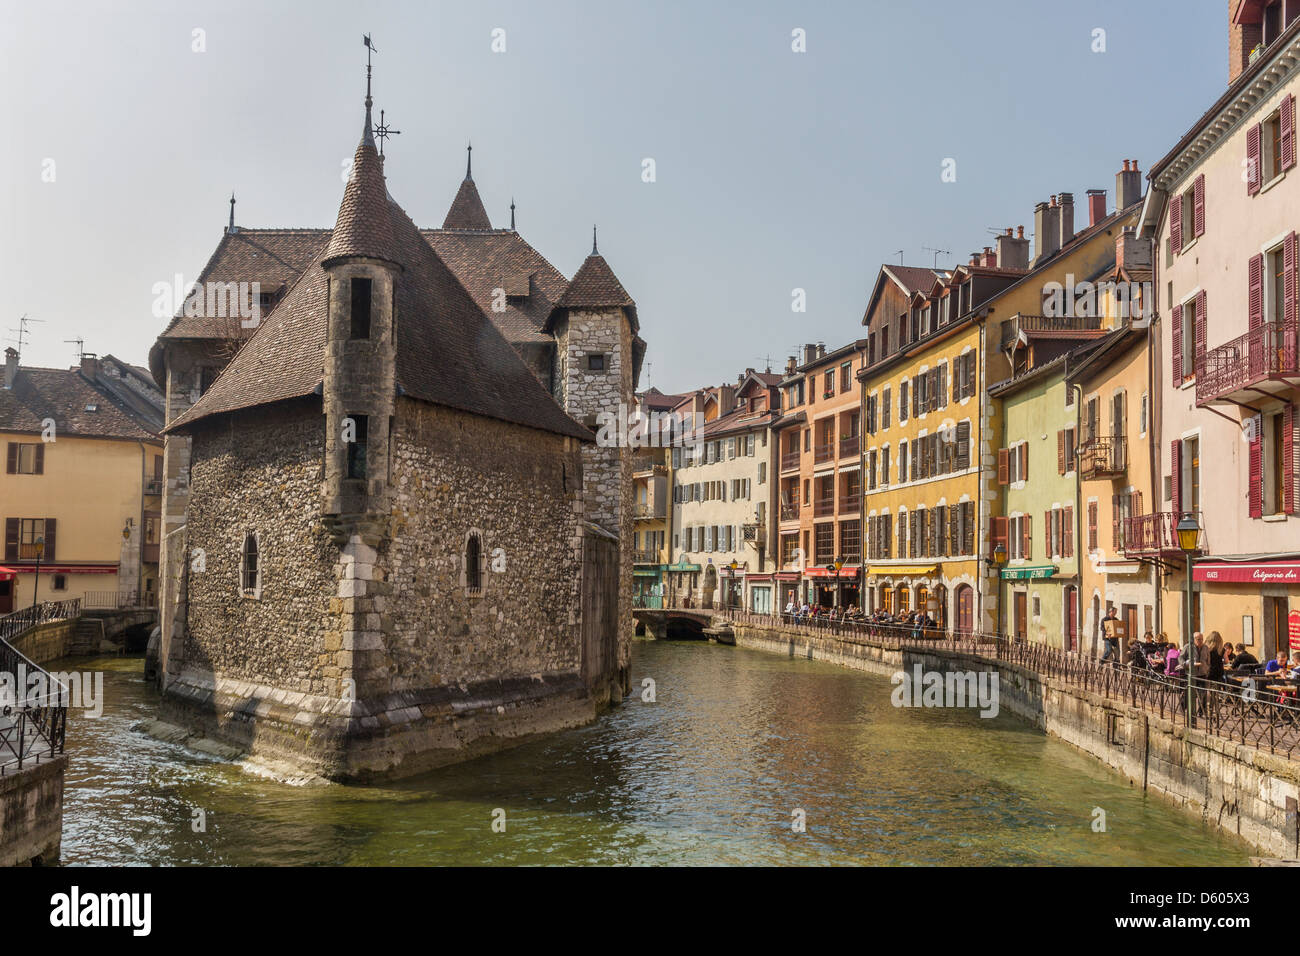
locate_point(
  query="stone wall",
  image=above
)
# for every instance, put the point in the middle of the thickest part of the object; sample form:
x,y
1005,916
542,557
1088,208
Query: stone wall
x,y
1233,787
45,642
31,813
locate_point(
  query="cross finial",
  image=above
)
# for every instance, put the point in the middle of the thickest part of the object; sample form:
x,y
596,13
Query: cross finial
x,y
469,161
593,239
512,213
383,131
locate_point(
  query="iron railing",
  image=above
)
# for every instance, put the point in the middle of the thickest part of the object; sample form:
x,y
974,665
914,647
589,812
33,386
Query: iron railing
x,y
824,452
851,504
849,447
1051,324
790,461
1250,715
1263,353
33,722
654,509
823,507
111,600
1104,456
1152,534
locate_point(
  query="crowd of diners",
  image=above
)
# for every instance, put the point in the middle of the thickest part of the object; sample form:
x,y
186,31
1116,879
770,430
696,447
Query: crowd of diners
x,y
852,614
1217,662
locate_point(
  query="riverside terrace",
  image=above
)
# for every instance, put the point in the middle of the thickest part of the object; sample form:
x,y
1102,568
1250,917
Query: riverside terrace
x,y
31,728
1256,717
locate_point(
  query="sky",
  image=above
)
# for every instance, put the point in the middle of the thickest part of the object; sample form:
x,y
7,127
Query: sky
x,y
774,170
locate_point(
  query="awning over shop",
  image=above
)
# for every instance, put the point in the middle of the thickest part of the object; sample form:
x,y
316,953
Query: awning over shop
x,y
7,574
760,577
819,572
66,569
850,570
1257,572
903,569
647,572
1034,571
787,576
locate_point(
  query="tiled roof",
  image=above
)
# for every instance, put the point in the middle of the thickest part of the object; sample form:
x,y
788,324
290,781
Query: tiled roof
x,y
656,400
363,227
596,287
448,350
467,210
487,261
63,395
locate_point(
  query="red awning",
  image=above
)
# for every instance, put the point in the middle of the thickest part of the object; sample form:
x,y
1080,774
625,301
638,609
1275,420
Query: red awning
x,y
819,572
850,570
7,574
66,569
787,575
1255,572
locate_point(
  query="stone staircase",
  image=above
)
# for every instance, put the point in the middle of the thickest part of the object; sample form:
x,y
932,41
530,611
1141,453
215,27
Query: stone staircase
x,y
86,636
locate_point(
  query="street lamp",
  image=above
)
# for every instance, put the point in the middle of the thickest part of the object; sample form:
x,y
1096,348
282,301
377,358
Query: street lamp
x,y
1189,533
731,583
40,552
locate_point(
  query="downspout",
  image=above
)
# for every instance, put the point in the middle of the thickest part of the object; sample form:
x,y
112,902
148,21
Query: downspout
x,y
139,544
862,489
1081,544
979,480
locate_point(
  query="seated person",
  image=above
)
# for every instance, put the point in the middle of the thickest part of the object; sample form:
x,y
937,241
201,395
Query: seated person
x,y
1171,660
1294,672
1278,665
1137,658
1243,659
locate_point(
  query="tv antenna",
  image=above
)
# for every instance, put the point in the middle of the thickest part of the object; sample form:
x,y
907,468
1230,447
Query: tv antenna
x,y
899,253
80,351
22,331
937,254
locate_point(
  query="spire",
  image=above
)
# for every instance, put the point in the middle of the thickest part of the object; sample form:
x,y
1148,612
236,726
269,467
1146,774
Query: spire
x,y
593,240
364,226
467,210
512,213
231,227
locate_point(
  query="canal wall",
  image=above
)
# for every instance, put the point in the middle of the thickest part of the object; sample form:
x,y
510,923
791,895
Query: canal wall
x,y
31,813
1230,786
45,642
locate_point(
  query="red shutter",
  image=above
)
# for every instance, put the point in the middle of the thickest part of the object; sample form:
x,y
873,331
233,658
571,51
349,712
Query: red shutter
x,y
1254,173
1257,469
1288,281
1176,222
11,539
1004,466
39,467
11,459
1288,460
1288,132
1067,526
1176,476
1177,328
51,552
1060,452
1198,205
999,534
1092,526
1027,542
1024,462
1255,291
1198,347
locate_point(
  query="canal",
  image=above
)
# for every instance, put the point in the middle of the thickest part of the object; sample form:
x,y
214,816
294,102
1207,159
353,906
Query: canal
x,y
711,772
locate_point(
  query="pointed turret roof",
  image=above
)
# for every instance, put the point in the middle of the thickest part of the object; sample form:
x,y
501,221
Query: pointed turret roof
x,y
596,287
467,211
363,227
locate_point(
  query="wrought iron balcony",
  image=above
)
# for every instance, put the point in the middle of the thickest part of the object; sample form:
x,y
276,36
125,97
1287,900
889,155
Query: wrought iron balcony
x,y
790,461
823,507
1105,456
154,486
1150,535
823,453
646,556
648,511
850,446
1260,361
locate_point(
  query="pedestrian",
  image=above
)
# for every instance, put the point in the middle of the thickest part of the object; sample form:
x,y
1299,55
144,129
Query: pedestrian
x,y
1110,627
1215,663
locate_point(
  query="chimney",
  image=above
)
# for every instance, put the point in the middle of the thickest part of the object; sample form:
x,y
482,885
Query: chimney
x,y
1242,37
11,366
989,260
809,353
726,398
1096,206
1013,252
89,365
1128,185
791,363
1133,254
1065,218
821,349
1047,234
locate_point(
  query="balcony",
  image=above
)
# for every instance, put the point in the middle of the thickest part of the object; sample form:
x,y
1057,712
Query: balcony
x,y
790,512
851,504
149,553
1150,535
849,447
823,507
153,487
790,461
652,511
646,556
824,453
1250,366
1051,327
1103,457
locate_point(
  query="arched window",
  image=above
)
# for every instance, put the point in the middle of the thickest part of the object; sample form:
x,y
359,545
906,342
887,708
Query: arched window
x,y
474,563
250,568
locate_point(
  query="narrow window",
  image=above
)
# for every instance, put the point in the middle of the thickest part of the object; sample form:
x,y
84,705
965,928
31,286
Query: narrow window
x,y
596,362
360,308
474,564
357,447
250,568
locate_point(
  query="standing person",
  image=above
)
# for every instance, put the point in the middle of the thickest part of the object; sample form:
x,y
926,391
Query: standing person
x,y
1214,672
1110,634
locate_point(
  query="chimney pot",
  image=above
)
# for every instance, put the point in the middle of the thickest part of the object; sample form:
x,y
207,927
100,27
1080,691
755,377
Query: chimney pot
x,y
11,366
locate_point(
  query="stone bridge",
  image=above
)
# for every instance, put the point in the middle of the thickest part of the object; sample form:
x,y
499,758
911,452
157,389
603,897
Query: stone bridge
x,y
676,624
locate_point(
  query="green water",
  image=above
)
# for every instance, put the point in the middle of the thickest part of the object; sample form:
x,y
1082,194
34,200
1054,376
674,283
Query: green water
x,y
708,774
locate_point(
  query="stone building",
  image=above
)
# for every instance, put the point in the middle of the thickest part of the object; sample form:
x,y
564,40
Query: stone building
x,y
391,541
